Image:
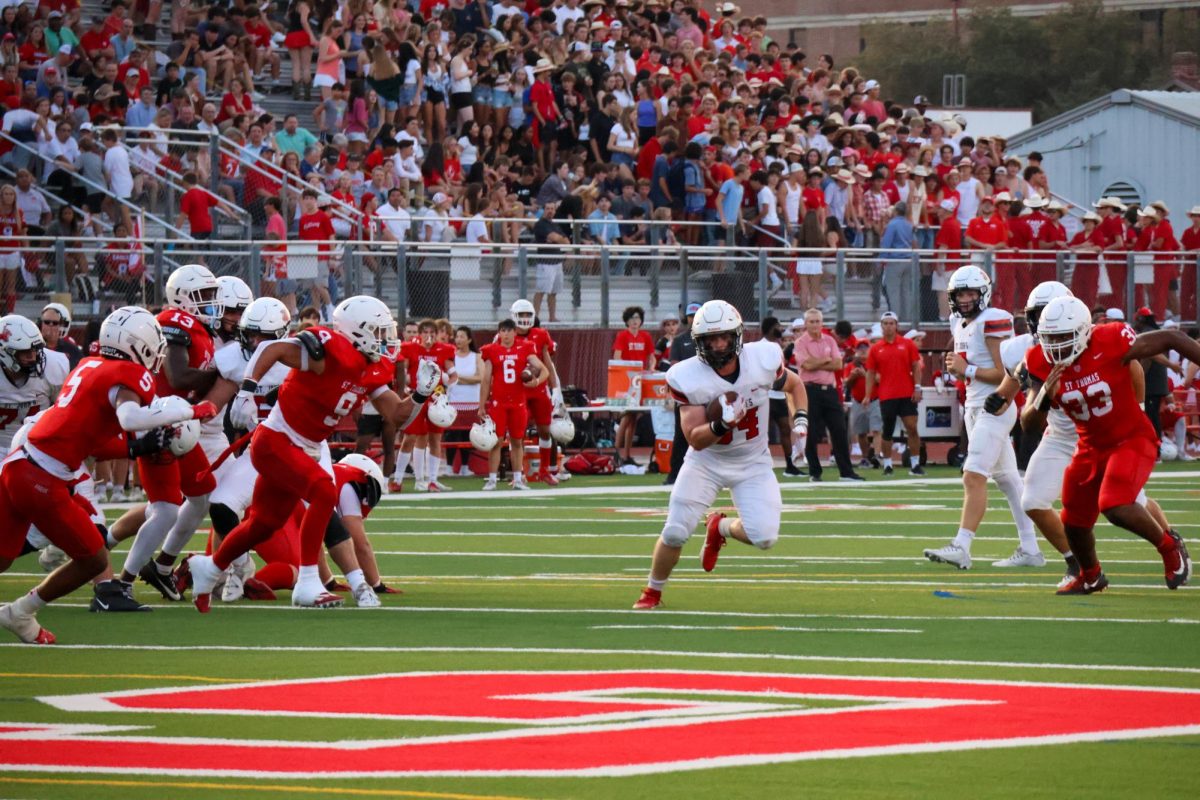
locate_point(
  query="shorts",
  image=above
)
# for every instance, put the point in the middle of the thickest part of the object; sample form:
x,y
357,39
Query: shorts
x,y
865,418
939,281
421,426
502,98
808,266
323,81
893,409
370,424
1097,480
754,488
989,448
297,40
481,95
624,159
510,421
12,260
549,279
777,408
171,481
540,407
286,286
31,496
461,100
236,487
404,98
434,96
214,443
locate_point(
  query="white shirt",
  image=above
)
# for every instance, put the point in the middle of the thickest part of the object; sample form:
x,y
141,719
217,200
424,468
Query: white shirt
x,y
407,167
564,13
767,198
116,167
32,204
1012,353
477,230
68,150
18,402
970,341
459,392
397,220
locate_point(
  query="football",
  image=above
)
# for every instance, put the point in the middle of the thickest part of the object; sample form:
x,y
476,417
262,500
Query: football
x,y
526,375
713,409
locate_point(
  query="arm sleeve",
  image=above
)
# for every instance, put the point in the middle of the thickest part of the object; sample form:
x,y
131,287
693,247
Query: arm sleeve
x,y
134,417
348,502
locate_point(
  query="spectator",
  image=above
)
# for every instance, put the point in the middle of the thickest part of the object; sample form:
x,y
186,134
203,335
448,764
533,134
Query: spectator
x,y
819,361
1156,384
894,375
119,177
631,344
55,323
315,226
12,240
195,207
548,233
865,419
275,280
778,411
899,271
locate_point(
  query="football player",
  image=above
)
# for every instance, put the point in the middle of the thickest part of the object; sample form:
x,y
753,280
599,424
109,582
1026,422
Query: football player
x,y
545,399
1088,372
502,398
334,371
25,388
979,332
101,398
731,452
422,442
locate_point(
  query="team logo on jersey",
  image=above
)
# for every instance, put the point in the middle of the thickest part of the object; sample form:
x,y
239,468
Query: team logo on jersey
x,y
587,723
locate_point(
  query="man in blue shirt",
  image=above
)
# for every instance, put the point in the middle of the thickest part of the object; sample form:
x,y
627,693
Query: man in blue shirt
x,y
141,113
729,197
898,276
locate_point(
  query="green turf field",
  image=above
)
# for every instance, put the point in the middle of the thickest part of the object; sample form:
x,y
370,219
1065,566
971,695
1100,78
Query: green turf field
x,y
510,584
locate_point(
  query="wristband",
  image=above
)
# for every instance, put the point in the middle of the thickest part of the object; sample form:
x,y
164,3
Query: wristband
x,y
250,385
1043,400
718,427
419,398
800,414
970,371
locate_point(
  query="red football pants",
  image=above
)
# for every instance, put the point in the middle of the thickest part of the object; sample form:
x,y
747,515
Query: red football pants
x,y
1097,480
31,496
286,475
171,481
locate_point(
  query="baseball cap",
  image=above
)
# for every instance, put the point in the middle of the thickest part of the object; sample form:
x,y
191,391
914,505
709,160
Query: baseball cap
x,y
915,333
798,322
920,100
692,308
872,85
65,49
948,205
889,315
440,198
1115,313
1145,312
670,316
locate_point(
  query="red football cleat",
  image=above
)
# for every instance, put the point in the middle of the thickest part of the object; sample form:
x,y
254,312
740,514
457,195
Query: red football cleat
x,y
335,585
322,601
547,478
183,575
713,542
254,589
44,637
1082,584
202,602
395,486
383,588
651,598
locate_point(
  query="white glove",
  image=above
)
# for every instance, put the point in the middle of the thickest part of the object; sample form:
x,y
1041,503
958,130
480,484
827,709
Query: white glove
x,y
428,378
800,424
243,411
939,385
556,398
732,413
798,446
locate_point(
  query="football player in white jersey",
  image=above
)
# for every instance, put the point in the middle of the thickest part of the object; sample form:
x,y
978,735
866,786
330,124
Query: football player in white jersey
x,y
25,389
731,452
1044,473
979,331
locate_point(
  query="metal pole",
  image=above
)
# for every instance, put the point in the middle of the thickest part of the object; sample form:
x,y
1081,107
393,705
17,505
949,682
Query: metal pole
x,y
1130,286
605,284
497,276
683,279
254,269
402,283
655,279
1060,266
349,266
989,264
576,281
214,161
763,270
915,287
522,271
60,265
840,283
158,271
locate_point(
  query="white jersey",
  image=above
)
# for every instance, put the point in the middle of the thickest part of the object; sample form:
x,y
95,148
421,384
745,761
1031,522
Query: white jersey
x,y
1012,353
231,363
970,342
216,425
692,382
19,402
58,367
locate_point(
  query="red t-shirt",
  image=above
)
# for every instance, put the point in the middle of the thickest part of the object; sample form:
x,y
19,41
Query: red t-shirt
x,y
812,198
412,353
507,365
541,97
316,227
181,328
1190,239
93,41
143,75
987,231
646,156
892,362
196,203
949,238
1113,227
634,347
858,389
1097,392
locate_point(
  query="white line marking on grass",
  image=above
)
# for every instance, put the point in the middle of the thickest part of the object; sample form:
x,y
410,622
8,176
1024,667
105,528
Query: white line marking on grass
x,y
638,652
750,628
783,560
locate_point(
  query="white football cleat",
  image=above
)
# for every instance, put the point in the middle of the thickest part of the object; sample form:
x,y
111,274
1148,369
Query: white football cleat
x,y
422,486
520,485
562,475
365,597
1022,559
489,485
51,558
950,554
205,575
441,487
234,587
25,626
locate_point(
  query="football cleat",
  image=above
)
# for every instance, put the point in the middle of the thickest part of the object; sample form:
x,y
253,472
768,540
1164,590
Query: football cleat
x,y
422,487
183,575
489,485
383,588
1071,574
51,558
547,478
334,585
113,596
254,589
25,626
651,598
1081,585
888,470
950,554
1022,559
365,597
204,574
563,476
520,485
395,486
1177,565
441,487
432,486
164,583
713,542
302,598
234,588
918,471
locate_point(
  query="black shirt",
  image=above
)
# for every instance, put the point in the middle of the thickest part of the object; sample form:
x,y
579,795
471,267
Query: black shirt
x,y
541,235
601,126
683,347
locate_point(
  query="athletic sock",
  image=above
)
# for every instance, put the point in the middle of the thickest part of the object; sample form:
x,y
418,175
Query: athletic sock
x,y
432,463
656,585
964,539
402,459
914,461
1166,546
1012,486
160,518
419,465
355,578
29,604
310,575
544,457
191,514
518,476
725,526
1090,574
887,462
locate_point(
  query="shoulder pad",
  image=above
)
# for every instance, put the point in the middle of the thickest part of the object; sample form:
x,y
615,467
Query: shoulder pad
x,y
312,344
177,336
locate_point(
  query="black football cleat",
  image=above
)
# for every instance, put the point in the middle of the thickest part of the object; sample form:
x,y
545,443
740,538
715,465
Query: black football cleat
x,y
115,596
165,584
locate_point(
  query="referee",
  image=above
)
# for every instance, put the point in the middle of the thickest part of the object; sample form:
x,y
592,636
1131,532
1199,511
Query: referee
x,y
819,358
894,366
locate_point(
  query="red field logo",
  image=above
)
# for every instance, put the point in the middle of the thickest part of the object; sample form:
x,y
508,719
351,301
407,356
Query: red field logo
x,y
592,723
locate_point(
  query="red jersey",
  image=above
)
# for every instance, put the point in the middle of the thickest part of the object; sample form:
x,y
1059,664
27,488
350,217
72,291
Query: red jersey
x,y
892,362
11,229
84,414
541,345
344,474
949,238
634,347
812,198
313,405
181,328
196,203
1096,391
412,353
317,228
988,231
507,365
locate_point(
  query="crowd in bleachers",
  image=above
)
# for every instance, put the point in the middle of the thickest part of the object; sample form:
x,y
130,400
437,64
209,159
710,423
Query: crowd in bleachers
x,y
423,117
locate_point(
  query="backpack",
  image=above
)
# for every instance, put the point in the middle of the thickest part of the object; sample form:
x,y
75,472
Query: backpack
x,y
590,463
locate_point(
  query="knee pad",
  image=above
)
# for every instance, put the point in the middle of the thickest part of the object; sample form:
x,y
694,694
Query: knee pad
x,y
223,518
766,544
675,535
161,509
335,532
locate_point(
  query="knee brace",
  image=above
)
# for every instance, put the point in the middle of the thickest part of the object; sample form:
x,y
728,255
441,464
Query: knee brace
x,y
335,532
223,518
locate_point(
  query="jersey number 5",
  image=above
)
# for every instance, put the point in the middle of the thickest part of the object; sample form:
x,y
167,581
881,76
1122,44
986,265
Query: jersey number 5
x,y
1095,401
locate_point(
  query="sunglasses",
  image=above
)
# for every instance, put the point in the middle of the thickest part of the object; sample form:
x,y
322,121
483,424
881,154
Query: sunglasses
x,y
61,323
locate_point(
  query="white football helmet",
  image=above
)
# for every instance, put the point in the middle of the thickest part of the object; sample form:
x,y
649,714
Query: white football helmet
x,y
368,324
562,430
193,288
523,314
483,435
186,437
1167,451
969,277
266,318
18,335
717,316
1042,294
133,334
63,312
372,469
1064,328
233,294
440,412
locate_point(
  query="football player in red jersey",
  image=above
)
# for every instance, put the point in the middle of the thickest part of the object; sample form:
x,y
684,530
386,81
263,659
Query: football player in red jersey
x,y
502,396
544,399
176,499
101,398
419,443
1086,371
334,371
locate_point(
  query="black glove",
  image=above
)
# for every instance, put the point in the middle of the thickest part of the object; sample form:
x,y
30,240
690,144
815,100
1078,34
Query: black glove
x,y
150,443
994,402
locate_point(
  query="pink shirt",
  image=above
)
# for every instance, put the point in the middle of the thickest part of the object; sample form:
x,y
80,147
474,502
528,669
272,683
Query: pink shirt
x,y
825,347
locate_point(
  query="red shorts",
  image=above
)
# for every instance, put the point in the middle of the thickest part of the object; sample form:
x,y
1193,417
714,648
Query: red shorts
x,y
296,40
540,406
285,475
510,420
1097,480
31,496
171,481
421,426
